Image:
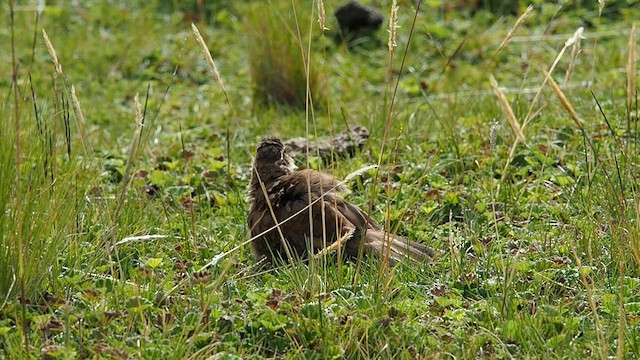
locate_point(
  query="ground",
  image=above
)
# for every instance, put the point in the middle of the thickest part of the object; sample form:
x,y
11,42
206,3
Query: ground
x,y
117,245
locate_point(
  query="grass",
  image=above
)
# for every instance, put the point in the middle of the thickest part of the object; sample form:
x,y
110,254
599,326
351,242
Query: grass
x,y
278,55
537,232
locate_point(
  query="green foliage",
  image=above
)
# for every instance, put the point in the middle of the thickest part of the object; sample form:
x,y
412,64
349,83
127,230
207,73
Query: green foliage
x,y
39,201
538,249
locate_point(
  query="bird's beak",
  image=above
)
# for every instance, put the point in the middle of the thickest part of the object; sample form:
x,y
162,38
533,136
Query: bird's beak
x,y
291,164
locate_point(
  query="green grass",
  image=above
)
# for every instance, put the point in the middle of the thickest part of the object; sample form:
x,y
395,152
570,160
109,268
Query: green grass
x,y
539,252
277,55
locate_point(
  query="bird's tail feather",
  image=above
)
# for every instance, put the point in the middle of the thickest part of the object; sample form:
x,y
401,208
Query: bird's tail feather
x,y
397,248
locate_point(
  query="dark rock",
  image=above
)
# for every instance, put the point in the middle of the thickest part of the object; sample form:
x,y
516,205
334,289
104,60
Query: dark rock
x,y
354,17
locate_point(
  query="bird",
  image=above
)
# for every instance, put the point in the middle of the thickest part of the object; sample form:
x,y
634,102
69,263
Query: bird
x,y
293,212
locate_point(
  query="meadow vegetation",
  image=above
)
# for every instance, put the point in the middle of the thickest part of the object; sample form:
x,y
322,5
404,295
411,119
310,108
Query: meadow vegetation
x,y
506,139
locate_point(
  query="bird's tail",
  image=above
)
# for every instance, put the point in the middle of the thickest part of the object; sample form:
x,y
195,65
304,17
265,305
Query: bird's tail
x,y
395,247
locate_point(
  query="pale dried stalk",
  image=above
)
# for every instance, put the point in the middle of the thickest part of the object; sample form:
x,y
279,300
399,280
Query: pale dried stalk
x,y
126,177
6,299
52,52
600,7
508,112
40,7
515,27
207,54
139,238
139,123
72,90
321,16
336,245
531,112
493,134
563,100
214,68
621,313
575,50
393,25
572,40
631,67
569,42
135,141
590,300
285,246
118,280
76,104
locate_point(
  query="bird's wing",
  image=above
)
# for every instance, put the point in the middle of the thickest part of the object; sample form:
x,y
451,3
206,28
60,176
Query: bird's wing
x,y
320,182
358,217
327,223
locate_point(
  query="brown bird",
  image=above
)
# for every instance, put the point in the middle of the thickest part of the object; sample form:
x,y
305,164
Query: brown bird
x,y
288,194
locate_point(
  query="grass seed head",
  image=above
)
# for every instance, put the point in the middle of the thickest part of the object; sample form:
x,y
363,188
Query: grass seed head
x,y
515,27
631,67
207,54
508,112
321,16
393,25
52,52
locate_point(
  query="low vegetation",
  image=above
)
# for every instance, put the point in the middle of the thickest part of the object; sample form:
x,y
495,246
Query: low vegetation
x,y
509,143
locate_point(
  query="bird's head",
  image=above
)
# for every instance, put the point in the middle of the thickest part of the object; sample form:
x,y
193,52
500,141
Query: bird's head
x,y
271,159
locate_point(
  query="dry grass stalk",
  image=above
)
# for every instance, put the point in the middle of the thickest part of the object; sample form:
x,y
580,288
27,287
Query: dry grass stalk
x,y
335,246
52,52
508,112
631,67
572,40
135,141
493,134
575,50
80,116
600,7
515,27
207,54
214,68
393,25
126,178
321,16
139,123
621,313
531,112
590,299
139,238
567,43
563,100
70,88
76,104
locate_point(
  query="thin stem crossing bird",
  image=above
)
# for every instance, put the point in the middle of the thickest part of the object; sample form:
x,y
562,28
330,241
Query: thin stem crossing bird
x,y
280,195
